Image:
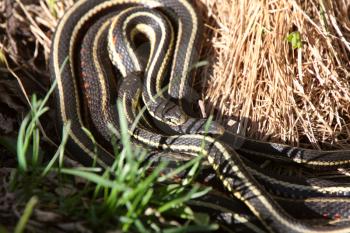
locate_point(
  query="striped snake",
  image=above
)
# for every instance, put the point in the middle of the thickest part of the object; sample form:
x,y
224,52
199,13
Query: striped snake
x,y
96,57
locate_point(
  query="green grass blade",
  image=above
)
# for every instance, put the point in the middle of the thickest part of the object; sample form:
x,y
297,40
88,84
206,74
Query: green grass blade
x,y
97,179
21,150
26,215
180,169
60,151
36,147
124,131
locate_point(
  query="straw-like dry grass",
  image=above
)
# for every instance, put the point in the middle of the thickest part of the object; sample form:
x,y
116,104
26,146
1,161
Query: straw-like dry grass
x,y
264,88
259,85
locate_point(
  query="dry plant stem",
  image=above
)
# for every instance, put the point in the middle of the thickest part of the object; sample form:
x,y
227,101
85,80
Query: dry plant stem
x,y
43,18
270,90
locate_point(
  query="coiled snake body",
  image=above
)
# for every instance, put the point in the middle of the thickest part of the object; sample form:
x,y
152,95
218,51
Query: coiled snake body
x,y
97,37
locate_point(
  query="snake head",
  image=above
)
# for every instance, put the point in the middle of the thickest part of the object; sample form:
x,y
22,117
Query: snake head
x,y
172,113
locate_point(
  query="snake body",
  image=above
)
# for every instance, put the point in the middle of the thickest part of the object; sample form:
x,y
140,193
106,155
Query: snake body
x,y
93,35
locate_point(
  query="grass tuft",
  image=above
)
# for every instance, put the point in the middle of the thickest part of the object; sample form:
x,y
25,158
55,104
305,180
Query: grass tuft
x,y
132,195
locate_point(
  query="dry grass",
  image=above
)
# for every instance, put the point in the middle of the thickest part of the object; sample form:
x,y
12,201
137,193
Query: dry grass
x,y
265,89
258,84
36,20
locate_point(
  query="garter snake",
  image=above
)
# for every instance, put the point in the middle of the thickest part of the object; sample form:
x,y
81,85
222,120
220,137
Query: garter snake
x,y
326,160
92,72
162,36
